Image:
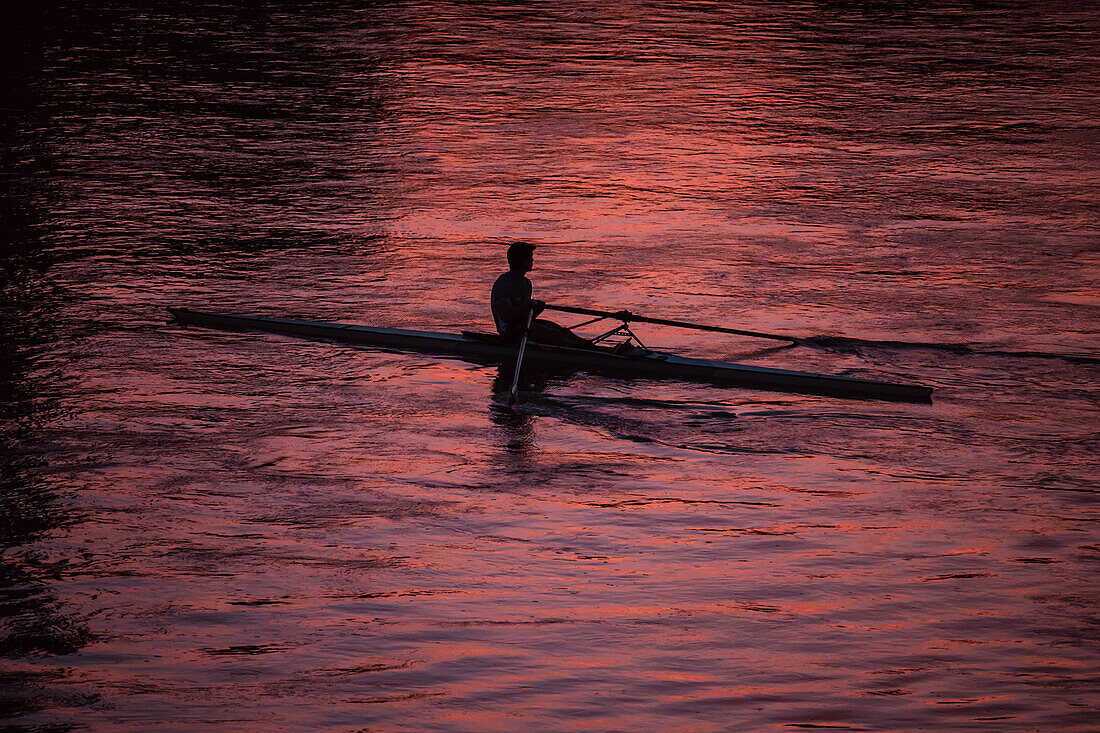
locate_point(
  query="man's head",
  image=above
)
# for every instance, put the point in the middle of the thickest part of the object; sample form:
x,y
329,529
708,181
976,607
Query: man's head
x,y
521,256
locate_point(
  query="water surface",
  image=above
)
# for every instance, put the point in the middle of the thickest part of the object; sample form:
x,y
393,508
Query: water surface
x,y
252,532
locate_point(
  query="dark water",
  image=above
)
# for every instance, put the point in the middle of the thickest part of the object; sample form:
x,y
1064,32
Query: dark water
x,y
207,530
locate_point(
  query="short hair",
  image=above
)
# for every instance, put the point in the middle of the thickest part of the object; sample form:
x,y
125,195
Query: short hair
x,y
518,252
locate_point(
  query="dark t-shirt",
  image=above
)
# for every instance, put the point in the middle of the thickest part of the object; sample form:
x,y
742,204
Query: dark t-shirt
x,y
511,294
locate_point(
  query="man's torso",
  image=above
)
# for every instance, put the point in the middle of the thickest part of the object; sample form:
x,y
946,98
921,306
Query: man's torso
x,y
509,290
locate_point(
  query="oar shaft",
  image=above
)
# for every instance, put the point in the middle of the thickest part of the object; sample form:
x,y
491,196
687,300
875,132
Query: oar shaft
x,y
628,316
519,359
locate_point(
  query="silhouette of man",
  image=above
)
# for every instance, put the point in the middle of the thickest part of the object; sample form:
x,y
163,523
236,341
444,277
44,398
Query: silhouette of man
x,y
511,300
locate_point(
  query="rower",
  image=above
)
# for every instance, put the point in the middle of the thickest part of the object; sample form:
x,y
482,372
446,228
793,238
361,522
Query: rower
x,y
511,300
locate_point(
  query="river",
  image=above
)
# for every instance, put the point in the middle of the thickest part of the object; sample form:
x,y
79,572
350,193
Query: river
x,y
235,531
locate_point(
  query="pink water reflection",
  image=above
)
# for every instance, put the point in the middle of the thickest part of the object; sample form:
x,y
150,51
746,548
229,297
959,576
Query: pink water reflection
x,y
252,532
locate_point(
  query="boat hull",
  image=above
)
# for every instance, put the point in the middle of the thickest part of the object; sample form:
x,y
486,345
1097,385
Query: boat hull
x,y
649,365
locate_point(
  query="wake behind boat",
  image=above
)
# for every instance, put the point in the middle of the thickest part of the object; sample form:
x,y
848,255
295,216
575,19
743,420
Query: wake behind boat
x,y
483,347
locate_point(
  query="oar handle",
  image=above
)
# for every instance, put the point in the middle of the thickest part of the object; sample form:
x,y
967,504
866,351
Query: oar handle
x,y
627,316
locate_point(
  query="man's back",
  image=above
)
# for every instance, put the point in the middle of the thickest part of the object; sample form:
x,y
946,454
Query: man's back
x,y
510,297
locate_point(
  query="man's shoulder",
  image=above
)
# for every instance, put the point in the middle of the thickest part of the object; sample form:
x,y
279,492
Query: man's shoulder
x,y
509,280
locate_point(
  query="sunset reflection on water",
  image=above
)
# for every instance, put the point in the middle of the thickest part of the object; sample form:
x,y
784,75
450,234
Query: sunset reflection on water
x,y
241,531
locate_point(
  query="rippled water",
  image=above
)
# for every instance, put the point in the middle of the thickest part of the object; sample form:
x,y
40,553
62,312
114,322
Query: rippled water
x,y
206,530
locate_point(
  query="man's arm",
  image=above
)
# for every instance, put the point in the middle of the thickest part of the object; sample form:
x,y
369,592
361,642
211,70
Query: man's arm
x,y
514,306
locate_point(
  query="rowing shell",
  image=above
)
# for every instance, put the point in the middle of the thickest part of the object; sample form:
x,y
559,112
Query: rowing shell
x,y
488,348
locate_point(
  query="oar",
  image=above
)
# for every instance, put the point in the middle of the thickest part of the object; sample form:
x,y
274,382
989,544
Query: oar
x,y
627,316
519,359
